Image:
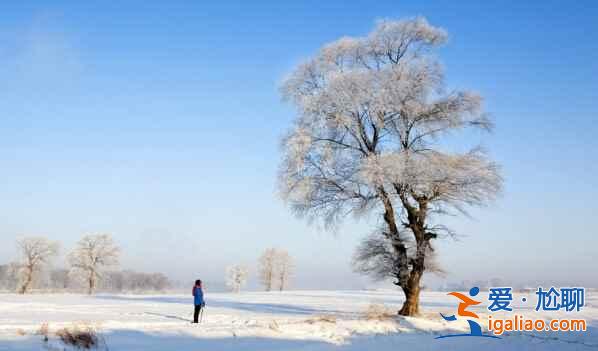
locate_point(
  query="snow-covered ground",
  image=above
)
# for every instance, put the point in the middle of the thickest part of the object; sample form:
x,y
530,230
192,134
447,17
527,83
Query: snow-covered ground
x,y
298,320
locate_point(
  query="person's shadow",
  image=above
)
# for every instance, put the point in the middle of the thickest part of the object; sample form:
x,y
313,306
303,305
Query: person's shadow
x,y
168,316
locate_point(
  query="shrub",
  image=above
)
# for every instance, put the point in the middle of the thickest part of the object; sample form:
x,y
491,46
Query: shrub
x,y
322,318
378,312
44,331
80,336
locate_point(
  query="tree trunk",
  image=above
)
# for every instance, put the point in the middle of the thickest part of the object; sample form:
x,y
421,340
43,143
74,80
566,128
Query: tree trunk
x,y
407,280
411,290
270,277
91,284
282,280
27,281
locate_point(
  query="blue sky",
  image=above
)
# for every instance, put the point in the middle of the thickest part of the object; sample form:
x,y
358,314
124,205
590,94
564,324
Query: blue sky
x,y
160,123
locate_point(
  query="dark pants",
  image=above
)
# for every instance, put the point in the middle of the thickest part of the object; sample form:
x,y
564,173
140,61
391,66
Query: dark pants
x,y
196,313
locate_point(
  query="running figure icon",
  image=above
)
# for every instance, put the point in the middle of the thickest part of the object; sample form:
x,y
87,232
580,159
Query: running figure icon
x,y
466,301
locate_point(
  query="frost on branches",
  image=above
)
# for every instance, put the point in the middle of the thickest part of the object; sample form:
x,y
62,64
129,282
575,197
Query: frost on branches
x,y
91,256
36,252
371,113
275,269
236,277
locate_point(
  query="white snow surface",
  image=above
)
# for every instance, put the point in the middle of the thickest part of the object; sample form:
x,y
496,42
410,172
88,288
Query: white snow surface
x,y
270,321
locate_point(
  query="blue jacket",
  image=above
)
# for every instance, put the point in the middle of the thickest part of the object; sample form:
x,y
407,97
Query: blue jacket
x,y
197,296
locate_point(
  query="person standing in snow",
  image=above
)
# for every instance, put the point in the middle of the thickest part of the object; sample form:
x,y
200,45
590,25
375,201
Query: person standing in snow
x,y
197,300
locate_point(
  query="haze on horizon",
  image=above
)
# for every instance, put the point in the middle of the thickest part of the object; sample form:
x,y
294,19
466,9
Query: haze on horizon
x,y
160,124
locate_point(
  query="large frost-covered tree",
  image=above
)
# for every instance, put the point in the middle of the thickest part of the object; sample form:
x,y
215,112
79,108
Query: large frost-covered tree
x,y
35,253
91,255
371,111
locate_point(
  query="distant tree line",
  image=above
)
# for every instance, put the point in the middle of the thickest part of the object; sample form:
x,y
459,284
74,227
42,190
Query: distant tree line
x,y
130,281
61,279
90,266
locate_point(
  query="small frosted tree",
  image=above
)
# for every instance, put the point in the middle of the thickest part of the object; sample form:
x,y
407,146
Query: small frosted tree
x,y
36,252
266,268
91,255
371,113
284,269
275,269
236,277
